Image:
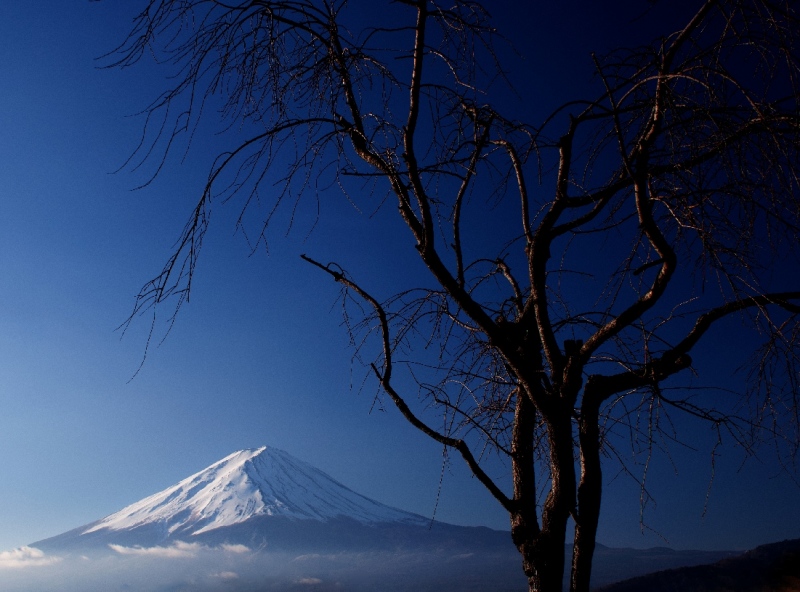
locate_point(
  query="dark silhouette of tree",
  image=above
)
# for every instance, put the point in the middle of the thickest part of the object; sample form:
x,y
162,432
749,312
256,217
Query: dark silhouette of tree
x,y
576,263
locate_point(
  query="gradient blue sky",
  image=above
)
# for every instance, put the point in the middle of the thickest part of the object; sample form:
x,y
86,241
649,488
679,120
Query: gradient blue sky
x,y
259,356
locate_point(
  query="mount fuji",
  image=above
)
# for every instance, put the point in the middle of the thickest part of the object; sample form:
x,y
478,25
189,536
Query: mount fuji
x,y
266,498
247,484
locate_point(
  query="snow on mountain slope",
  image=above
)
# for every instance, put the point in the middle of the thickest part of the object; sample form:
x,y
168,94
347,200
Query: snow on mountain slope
x,y
246,484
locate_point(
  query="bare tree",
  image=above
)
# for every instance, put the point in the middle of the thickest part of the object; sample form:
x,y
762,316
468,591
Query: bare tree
x,y
576,264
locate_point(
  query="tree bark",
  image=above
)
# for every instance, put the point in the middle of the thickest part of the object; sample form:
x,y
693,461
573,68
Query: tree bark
x,y
524,522
545,553
589,496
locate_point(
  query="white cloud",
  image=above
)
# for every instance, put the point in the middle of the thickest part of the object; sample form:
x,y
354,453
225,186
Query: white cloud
x,y
235,548
226,575
25,557
310,581
178,549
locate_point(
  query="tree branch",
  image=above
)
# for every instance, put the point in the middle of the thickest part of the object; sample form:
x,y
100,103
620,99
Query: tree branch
x,y
600,388
385,377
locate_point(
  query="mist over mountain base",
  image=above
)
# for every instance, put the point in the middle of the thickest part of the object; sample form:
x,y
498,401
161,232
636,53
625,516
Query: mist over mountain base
x,y
234,568
266,554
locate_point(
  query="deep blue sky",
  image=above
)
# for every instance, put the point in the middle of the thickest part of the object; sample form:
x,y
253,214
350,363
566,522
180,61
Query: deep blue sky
x,y
259,355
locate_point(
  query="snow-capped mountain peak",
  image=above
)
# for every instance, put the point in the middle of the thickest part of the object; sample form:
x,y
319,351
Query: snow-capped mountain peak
x,y
249,483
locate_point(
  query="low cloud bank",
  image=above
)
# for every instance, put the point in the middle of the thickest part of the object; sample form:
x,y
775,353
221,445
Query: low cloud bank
x,y
235,568
25,557
179,549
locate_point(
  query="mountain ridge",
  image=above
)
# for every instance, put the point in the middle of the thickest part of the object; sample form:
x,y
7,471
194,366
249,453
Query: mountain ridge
x,y
249,483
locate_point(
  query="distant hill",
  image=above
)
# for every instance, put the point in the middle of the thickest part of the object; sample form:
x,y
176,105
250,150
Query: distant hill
x,y
613,564
769,568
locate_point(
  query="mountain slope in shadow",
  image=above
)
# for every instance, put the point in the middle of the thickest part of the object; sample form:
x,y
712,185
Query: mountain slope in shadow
x,y
768,568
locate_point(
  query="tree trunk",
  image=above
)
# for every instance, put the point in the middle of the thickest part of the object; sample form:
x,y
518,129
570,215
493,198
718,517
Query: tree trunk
x,y
544,565
542,555
524,522
589,496
543,550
